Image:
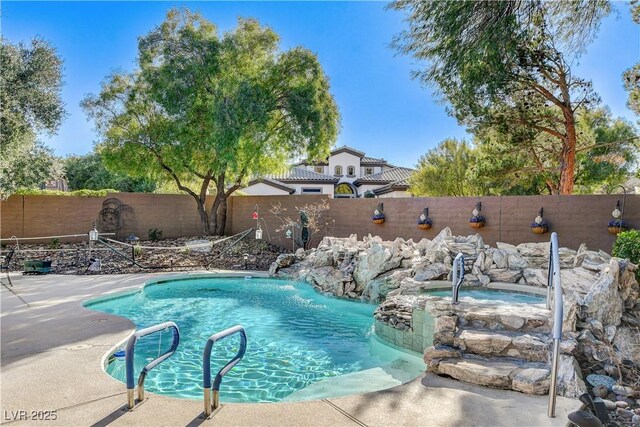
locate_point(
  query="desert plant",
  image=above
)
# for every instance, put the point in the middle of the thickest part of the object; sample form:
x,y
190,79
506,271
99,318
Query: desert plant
x,y
55,244
315,216
137,250
155,234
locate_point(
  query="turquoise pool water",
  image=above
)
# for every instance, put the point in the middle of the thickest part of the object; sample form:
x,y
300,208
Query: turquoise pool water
x,y
492,295
296,338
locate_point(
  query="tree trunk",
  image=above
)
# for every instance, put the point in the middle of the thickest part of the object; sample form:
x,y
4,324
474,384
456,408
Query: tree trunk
x,y
568,160
204,217
221,216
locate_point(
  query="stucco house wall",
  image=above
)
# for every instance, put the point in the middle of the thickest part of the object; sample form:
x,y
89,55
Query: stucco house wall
x,y
262,189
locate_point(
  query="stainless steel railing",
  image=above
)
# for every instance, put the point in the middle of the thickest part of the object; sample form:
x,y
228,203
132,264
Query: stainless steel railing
x,y
554,281
129,353
458,277
206,366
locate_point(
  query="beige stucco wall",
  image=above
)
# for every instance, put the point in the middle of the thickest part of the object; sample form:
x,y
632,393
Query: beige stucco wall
x,y
262,189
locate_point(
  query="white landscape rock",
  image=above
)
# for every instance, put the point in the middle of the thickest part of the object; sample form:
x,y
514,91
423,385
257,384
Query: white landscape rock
x,y
601,305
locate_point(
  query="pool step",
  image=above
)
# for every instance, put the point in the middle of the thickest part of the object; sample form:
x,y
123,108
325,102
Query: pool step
x,y
515,317
380,378
496,372
526,346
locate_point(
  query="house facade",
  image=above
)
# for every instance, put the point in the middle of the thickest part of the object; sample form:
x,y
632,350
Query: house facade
x,y
346,173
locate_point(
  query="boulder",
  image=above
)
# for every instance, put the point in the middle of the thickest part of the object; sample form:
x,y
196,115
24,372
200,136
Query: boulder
x,y
535,276
603,301
426,272
500,258
328,279
627,342
515,261
570,382
374,261
440,352
504,275
532,381
506,247
378,288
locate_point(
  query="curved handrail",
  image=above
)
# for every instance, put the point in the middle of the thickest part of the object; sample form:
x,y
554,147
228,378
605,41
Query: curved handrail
x,y
206,365
129,352
555,280
458,277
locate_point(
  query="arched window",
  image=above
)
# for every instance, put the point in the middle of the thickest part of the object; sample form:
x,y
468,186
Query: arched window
x,y
351,171
338,170
343,190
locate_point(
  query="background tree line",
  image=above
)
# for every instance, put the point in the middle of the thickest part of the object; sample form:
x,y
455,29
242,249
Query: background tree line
x,y
505,71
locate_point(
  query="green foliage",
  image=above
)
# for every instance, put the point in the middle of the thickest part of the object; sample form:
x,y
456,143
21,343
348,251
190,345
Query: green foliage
x,y
213,110
631,77
369,194
627,246
30,103
446,171
55,244
155,234
89,172
80,193
523,162
505,66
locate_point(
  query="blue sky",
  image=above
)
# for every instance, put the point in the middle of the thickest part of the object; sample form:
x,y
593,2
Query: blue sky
x,y
384,112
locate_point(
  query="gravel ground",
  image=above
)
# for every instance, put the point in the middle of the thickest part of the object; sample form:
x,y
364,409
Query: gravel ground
x,y
74,258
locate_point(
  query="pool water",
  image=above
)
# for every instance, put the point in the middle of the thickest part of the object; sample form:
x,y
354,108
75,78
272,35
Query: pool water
x,y
492,295
296,338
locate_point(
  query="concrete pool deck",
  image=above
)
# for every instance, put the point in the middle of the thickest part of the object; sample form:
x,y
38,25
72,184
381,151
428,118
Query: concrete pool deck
x,y
52,361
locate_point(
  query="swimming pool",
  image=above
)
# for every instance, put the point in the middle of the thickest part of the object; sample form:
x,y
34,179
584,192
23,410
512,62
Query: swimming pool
x,y
492,295
301,344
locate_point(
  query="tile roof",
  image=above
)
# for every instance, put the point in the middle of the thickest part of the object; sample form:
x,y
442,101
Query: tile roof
x,y
368,160
273,183
397,176
301,174
347,149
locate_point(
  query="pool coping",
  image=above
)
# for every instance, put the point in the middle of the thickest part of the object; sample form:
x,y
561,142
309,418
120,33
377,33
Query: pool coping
x,y
74,337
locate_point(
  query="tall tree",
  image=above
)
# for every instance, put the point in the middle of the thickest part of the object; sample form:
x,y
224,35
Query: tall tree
x,y
30,104
213,109
631,77
523,161
507,64
445,171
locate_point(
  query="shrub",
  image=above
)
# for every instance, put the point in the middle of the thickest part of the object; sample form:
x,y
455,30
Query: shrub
x,y
55,244
155,234
627,245
80,193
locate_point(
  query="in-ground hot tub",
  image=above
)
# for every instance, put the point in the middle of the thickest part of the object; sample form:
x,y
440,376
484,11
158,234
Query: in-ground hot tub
x,y
301,344
406,320
507,293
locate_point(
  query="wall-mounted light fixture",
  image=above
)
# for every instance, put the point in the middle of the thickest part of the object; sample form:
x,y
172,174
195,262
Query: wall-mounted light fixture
x,y
477,220
424,222
539,224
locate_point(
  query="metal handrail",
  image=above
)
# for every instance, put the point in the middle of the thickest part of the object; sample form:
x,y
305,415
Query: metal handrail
x,y
458,277
206,366
129,352
555,280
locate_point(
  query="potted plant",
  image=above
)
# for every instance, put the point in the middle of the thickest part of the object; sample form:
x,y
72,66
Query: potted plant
x,y
424,222
477,220
378,216
539,224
